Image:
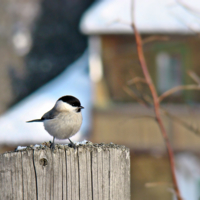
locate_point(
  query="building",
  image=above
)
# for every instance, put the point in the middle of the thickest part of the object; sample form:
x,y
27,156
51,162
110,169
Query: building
x,y
114,62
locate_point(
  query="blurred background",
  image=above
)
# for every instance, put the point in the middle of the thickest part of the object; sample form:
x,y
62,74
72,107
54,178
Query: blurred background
x,y
86,48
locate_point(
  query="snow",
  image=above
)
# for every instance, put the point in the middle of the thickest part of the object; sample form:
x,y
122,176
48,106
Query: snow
x,y
73,81
36,146
83,142
151,16
19,148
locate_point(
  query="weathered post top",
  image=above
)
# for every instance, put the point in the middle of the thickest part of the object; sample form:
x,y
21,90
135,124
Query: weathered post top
x,y
88,172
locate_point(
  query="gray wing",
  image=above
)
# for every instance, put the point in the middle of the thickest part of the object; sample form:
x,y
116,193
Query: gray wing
x,y
50,114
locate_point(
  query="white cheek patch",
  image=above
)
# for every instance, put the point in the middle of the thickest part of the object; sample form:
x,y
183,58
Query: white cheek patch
x,y
62,106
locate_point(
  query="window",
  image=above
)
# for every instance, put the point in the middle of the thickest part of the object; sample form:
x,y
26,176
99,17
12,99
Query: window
x,y
169,72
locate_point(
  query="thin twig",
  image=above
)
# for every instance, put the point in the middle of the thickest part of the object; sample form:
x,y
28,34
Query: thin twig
x,y
189,8
136,80
156,105
178,88
139,87
194,76
189,26
189,127
172,191
155,38
181,122
134,96
155,184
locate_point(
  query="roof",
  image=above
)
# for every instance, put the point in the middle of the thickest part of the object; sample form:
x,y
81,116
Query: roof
x,y
151,16
73,81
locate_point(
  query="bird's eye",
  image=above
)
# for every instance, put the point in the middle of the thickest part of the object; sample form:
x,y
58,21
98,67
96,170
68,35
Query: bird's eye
x,y
73,104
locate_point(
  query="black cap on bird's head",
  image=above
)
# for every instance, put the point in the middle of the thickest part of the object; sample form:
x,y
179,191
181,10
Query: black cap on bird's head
x,y
73,101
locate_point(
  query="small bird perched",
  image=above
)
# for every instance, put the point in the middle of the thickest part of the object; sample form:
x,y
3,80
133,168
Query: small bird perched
x,y
64,119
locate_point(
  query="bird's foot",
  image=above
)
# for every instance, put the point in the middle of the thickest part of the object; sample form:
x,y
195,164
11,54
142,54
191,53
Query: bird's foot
x,y
71,144
52,146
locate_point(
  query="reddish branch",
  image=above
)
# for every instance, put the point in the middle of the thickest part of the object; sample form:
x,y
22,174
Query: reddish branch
x,y
156,108
178,88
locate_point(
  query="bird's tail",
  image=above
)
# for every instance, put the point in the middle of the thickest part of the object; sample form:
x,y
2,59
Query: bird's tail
x,y
35,120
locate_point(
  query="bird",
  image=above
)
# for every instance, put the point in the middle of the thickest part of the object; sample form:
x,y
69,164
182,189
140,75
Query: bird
x,y
63,120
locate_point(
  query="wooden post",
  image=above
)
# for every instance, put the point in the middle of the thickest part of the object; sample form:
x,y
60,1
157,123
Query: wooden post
x,y
88,172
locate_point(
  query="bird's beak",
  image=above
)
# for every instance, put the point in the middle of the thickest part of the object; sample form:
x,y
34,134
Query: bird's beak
x,y
81,107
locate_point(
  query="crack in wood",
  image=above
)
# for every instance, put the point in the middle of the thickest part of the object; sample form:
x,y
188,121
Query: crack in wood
x,y
89,172
36,185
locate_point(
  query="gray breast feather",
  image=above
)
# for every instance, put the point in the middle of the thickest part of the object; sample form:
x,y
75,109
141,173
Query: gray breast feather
x,y
64,125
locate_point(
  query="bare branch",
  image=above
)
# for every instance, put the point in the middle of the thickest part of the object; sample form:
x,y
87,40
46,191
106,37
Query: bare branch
x,y
143,96
156,105
195,32
168,185
134,96
171,116
181,122
189,8
132,11
136,80
171,190
155,38
194,76
155,184
178,88
193,11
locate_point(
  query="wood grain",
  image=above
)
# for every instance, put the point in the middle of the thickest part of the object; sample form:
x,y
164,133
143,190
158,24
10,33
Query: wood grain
x,y
88,172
